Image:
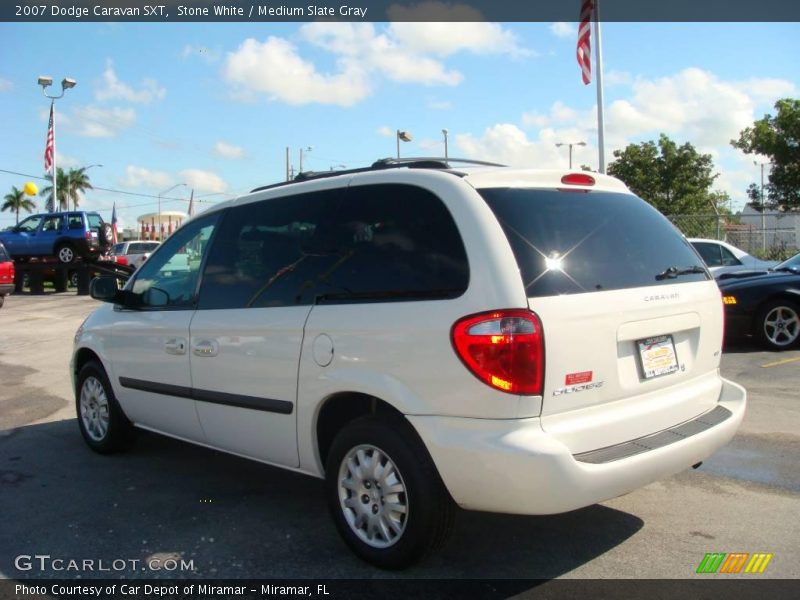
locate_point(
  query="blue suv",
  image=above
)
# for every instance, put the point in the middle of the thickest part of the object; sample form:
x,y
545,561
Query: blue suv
x,y
64,235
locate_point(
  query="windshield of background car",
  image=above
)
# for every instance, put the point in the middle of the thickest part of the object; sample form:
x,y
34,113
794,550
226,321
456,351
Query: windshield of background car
x,y
572,242
792,264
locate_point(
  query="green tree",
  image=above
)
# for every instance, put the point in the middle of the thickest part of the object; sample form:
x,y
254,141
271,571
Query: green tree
x,y
675,179
71,185
16,201
777,138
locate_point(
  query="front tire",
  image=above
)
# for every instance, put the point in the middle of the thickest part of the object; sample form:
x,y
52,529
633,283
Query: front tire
x,y
384,493
104,426
778,325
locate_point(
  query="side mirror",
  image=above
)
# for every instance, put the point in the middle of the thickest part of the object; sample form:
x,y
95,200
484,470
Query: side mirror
x,y
106,289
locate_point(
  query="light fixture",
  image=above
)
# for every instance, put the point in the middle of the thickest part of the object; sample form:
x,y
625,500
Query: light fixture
x,y
44,80
67,83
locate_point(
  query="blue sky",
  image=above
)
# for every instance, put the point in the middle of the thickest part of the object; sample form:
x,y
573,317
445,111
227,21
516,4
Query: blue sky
x,y
215,105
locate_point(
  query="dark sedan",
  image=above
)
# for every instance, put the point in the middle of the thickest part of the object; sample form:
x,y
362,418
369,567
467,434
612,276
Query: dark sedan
x,y
765,304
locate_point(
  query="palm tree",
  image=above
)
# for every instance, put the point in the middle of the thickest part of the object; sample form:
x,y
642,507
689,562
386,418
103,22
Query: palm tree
x,y
70,186
16,201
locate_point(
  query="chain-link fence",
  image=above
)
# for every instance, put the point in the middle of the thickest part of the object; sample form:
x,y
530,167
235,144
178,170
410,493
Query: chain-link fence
x,y
775,242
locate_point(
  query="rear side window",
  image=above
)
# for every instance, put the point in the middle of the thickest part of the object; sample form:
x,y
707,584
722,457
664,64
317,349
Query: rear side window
x,y
365,244
3,254
710,253
577,242
95,222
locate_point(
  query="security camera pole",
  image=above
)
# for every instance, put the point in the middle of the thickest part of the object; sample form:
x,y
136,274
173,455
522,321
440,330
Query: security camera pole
x,y
50,146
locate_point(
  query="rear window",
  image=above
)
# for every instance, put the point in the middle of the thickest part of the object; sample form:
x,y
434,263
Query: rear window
x,y
577,242
95,222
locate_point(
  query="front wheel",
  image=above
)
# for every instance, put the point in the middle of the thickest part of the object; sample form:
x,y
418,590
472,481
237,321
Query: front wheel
x,y
104,426
384,493
778,325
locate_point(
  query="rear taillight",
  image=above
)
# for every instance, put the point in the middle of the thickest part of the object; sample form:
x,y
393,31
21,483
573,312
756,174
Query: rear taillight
x,y
89,236
503,348
120,260
578,179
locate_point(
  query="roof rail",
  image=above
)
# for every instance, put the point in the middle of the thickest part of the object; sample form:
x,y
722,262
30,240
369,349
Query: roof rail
x,y
381,164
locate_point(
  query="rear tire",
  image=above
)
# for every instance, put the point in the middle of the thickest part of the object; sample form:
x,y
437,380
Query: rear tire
x,y
103,425
384,493
778,324
65,254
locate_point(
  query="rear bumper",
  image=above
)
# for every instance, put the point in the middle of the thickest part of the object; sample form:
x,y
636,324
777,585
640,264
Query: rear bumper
x,y
6,289
513,466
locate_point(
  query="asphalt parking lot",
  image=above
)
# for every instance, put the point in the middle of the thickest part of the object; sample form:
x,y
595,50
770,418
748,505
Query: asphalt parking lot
x,y
232,518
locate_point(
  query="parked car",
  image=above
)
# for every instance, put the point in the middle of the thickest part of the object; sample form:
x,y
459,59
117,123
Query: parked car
x,y
421,334
721,257
135,252
6,274
765,305
64,235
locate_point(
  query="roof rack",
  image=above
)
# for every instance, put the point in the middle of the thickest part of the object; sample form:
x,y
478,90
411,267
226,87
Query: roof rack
x,y
385,163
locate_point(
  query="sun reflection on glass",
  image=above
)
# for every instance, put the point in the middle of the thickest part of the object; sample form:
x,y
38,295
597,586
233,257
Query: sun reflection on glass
x,y
554,261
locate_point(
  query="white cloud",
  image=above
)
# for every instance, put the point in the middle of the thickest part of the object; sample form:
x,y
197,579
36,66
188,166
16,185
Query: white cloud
x,y
386,131
136,176
564,30
94,121
67,162
230,151
447,38
203,181
617,78
111,88
535,119
274,68
6,85
361,55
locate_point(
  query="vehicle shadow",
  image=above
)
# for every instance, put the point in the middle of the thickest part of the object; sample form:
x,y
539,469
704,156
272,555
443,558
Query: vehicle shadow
x,y
236,518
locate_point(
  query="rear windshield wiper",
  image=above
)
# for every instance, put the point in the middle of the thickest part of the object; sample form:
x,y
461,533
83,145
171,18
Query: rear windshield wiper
x,y
673,272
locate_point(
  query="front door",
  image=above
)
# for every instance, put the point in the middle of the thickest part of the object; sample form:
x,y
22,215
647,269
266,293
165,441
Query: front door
x,y
149,346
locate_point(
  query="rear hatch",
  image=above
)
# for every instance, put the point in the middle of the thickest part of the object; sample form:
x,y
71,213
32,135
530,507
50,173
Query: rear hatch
x,y
632,320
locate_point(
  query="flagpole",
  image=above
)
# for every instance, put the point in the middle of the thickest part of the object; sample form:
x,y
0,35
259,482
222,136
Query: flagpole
x,y
601,127
55,169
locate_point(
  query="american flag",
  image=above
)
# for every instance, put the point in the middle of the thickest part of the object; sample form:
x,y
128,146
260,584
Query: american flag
x,y
584,48
50,146
114,224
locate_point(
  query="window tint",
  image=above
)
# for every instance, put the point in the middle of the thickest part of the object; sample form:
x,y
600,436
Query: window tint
x,y
52,223
576,242
728,258
75,221
94,220
30,224
393,242
118,249
262,255
169,278
368,243
710,253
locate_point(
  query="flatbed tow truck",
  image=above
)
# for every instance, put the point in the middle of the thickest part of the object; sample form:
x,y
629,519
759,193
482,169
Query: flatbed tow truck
x,y
37,271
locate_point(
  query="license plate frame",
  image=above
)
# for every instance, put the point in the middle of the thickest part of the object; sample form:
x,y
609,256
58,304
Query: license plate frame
x,y
657,356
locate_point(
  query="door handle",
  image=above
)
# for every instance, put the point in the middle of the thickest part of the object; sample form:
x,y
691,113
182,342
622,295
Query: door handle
x,y
205,348
175,346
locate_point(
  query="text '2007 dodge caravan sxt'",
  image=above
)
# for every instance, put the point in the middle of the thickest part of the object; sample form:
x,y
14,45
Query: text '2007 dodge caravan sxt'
x,y
421,336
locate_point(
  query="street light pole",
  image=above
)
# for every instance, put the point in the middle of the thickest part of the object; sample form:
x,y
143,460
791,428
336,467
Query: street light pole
x,y
570,144
84,169
307,149
404,136
444,132
66,84
160,228
763,216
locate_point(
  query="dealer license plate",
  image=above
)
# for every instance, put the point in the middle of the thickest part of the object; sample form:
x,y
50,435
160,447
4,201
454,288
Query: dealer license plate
x,y
657,356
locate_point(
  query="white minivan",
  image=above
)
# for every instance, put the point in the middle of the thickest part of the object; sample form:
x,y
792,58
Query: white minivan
x,y
422,334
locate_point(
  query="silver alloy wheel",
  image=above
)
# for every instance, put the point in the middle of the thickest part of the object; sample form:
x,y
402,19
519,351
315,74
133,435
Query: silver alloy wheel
x,y
66,254
782,326
94,409
373,496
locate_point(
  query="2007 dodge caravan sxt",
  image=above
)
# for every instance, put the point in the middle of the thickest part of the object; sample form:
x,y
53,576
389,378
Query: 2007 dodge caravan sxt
x,y
422,335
